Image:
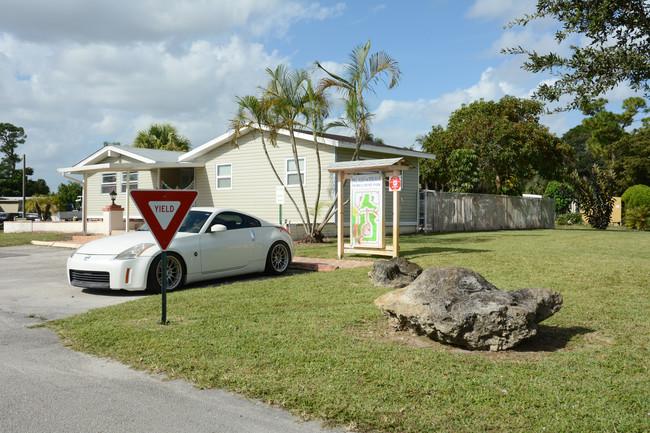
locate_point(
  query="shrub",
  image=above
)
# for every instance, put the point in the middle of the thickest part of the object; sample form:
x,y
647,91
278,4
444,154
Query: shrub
x,y
638,218
636,196
562,194
569,219
595,193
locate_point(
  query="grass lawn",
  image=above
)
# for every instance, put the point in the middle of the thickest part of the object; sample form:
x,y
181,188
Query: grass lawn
x,y
316,344
13,239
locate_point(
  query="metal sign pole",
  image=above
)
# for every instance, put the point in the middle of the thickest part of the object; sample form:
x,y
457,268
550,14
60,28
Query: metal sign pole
x,y
163,284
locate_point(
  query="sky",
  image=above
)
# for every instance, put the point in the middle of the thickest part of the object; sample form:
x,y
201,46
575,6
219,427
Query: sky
x,y
77,73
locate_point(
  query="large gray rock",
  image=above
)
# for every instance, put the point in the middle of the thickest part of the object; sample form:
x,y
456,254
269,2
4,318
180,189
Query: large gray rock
x,y
458,306
396,272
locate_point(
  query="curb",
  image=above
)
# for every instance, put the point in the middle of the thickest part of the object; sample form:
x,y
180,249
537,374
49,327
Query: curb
x,y
56,244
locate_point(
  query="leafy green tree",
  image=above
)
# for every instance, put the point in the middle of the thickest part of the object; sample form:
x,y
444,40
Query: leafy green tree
x,y
11,178
163,136
632,163
38,186
464,164
595,194
10,137
362,72
68,193
506,136
435,173
618,50
584,158
562,194
603,139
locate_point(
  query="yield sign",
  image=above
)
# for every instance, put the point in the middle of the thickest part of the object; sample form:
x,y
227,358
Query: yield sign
x,y
164,211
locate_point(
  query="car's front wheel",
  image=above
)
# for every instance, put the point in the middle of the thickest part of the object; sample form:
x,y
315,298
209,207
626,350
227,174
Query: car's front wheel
x,y
175,274
278,259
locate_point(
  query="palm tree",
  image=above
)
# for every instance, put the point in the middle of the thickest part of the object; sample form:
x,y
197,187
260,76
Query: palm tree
x,y
317,108
361,73
43,205
162,136
253,113
286,93
288,102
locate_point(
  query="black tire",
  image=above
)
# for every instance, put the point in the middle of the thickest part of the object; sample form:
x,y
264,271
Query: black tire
x,y
278,259
175,273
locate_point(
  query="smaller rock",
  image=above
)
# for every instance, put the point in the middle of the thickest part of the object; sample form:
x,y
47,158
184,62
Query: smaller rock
x,y
395,273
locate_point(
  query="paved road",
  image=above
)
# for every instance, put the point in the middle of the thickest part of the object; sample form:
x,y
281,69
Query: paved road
x,y
45,387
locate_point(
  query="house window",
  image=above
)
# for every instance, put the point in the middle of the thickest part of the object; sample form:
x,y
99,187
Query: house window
x,y
109,182
292,171
224,176
133,181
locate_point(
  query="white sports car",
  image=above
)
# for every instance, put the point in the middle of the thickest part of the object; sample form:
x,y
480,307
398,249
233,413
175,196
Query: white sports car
x,y
210,243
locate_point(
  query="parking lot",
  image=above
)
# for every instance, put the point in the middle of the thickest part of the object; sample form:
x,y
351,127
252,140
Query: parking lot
x,y
47,387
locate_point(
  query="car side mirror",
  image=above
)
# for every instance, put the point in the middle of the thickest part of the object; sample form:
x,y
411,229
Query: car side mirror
x,y
218,228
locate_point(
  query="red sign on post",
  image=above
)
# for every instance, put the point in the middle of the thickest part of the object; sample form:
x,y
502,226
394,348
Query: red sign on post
x,y
395,183
164,211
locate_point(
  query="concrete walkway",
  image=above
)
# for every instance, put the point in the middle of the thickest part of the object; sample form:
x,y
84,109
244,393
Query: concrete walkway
x,y
301,263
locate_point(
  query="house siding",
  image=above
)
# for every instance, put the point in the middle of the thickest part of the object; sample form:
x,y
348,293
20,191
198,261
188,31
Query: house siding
x,y
254,183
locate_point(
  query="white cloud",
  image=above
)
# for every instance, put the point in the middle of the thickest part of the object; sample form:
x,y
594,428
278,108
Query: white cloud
x,y
70,96
125,21
505,10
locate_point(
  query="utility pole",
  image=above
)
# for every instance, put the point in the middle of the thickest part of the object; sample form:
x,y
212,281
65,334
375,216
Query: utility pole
x,y
24,168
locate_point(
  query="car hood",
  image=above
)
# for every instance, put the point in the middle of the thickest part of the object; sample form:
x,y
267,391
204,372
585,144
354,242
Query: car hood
x,y
113,245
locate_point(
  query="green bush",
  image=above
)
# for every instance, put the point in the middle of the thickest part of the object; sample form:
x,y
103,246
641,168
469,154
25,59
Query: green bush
x,y
562,194
595,193
637,218
569,219
636,196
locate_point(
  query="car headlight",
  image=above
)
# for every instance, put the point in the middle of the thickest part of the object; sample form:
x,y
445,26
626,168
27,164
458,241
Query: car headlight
x,y
133,252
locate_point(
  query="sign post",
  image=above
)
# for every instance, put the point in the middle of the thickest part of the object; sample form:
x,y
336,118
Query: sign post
x,y
279,199
163,210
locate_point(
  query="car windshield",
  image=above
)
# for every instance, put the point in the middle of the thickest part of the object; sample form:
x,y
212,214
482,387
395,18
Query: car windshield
x,y
192,223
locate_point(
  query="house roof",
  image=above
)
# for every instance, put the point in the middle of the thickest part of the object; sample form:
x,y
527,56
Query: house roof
x,y
148,159
326,139
144,159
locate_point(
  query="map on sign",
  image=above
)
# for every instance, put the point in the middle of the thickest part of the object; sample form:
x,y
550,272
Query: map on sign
x,y
367,209
163,210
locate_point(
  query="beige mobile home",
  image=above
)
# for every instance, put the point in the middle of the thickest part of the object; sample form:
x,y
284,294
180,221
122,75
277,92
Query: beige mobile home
x,y
240,177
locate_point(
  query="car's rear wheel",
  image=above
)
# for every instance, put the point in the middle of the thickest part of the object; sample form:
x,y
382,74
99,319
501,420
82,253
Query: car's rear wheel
x,y
278,259
175,274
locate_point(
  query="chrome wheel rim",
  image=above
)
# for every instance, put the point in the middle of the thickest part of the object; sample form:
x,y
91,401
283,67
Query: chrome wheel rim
x,y
174,272
280,258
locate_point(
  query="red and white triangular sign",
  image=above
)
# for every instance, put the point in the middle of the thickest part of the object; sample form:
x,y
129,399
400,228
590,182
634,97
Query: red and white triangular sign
x,y
163,210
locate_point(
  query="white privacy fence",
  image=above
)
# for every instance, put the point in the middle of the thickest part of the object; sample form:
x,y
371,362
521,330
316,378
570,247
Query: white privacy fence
x,y
458,212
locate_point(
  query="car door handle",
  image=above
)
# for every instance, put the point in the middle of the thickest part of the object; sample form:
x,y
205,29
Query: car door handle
x,y
252,236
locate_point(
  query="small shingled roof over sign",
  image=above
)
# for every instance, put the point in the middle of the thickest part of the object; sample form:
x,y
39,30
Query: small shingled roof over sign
x,y
371,165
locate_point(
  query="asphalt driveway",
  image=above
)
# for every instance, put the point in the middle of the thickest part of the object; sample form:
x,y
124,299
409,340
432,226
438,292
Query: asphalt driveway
x,y
45,387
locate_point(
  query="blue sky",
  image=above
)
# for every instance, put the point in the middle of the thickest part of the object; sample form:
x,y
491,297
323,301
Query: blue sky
x,y
76,73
